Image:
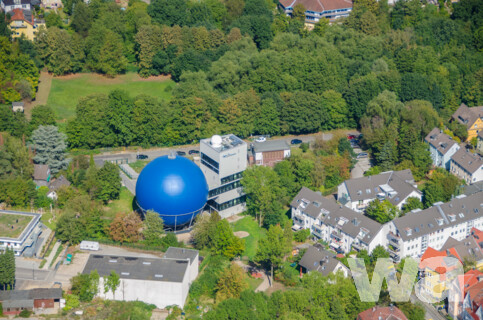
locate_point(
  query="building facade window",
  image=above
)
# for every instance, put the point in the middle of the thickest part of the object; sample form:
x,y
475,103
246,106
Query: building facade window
x,y
210,163
224,189
232,177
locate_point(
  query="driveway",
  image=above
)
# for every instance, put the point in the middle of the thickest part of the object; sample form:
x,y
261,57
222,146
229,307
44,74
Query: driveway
x,y
361,166
431,312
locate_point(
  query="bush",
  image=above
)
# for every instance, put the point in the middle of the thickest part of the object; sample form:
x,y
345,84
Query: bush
x,y
24,314
304,146
301,235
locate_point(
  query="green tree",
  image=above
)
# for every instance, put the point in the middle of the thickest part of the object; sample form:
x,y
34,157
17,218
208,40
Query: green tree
x,y
264,192
50,147
272,248
169,12
42,116
85,286
108,183
204,230
382,211
411,204
231,283
225,243
69,228
53,20
298,12
268,121
111,283
7,269
153,228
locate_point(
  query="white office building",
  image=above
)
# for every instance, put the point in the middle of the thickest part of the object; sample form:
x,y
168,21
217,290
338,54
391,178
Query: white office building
x,y
223,160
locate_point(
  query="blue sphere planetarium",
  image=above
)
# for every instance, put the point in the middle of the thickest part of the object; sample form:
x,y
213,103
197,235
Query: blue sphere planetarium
x,y
174,187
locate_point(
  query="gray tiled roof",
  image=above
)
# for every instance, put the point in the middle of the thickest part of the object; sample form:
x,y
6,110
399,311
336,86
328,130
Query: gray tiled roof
x,y
181,253
466,248
59,182
17,104
424,222
468,116
319,259
153,269
439,140
331,213
365,188
41,172
271,145
469,161
33,294
473,188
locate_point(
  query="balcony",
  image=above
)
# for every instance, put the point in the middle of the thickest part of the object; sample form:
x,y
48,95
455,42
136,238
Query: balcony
x,y
392,248
357,246
337,236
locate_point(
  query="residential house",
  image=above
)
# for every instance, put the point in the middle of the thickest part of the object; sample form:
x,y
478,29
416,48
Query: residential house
x,y
413,233
459,289
442,147
395,186
22,22
467,166
270,152
479,142
471,118
41,175
159,281
37,300
316,258
53,4
345,230
23,241
382,313
17,106
9,5
315,10
473,303
55,185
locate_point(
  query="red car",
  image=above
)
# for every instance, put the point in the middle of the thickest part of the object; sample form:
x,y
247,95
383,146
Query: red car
x,y
351,137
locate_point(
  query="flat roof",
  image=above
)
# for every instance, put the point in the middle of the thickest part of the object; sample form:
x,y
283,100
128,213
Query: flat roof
x,y
34,219
271,145
181,253
137,268
228,142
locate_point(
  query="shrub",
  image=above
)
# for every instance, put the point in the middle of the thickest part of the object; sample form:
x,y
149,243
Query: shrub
x,y
24,314
301,235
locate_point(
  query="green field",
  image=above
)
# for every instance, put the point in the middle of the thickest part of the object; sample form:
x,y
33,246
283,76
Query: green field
x,y
12,225
249,225
65,92
124,204
138,165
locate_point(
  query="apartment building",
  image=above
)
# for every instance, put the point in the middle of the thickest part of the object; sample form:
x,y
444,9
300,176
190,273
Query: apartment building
x,y
467,166
342,228
413,233
441,147
395,186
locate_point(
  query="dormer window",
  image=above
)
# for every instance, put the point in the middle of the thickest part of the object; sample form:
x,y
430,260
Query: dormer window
x,y
440,222
368,191
408,231
461,215
452,217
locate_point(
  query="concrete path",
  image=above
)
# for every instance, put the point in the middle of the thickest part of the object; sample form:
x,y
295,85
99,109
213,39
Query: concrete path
x,y
130,184
51,255
266,280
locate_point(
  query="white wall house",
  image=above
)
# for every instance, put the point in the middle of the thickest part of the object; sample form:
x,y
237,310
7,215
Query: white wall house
x,y
342,228
467,166
441,147
162,282
24,242
413,233
270,152
395,186
8,5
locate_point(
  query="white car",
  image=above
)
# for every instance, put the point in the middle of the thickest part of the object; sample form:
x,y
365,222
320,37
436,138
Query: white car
x,y
261,139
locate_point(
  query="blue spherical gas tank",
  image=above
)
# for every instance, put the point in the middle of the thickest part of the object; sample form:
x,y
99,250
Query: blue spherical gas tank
x,y
174,187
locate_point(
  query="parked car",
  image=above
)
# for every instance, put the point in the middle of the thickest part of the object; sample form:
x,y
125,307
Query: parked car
x,y
180,153
362,155
193,152
141,156
351,137
296,141
261,139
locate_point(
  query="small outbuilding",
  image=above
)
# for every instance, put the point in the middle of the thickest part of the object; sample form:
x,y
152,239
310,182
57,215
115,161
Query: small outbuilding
x,y
17,106
89,245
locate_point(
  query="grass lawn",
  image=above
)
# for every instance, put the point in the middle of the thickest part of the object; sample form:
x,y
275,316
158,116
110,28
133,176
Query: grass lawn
x,y
138,165
46,216
253,283
124,204
66,91
249,225
12,225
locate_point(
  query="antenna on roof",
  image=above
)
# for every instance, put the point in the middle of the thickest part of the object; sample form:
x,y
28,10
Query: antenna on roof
x,y
172,155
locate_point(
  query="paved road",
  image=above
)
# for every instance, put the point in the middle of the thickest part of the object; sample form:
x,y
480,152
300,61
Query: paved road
x,y
361,166
31,274
158,152
431,312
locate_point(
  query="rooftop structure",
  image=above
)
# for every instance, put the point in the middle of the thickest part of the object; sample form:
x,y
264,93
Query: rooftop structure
x,y
14,301
316,258
342,228
467,166
270,152
382,313
223,160
319,9
17,106
441,147
394,186
472,118
19,231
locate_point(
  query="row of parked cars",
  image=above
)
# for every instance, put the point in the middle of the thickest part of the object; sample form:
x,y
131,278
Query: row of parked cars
x,y
179,153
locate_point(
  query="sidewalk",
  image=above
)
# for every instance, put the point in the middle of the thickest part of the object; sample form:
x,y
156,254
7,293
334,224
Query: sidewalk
x,y
51,256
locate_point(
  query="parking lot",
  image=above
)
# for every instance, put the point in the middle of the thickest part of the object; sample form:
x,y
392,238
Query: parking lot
x,y
362,165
